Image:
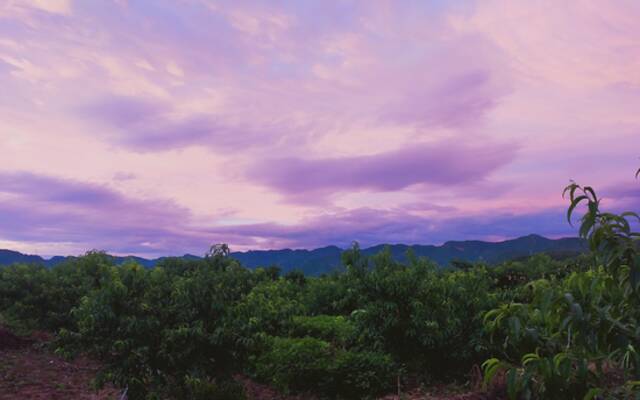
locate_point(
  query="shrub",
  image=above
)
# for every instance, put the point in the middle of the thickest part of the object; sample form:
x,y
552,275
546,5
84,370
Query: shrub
x,y
40,298
332,328
156,329
204,389
576,336
428,320
361,374
297,364
314,365
25,295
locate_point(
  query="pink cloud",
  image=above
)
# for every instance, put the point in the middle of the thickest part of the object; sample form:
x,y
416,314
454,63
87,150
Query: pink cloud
x,y
38,208
375,226
447,163
147,126
316,122
85,215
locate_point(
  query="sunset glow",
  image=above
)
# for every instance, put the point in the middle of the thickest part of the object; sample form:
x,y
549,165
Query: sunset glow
x,y
160,127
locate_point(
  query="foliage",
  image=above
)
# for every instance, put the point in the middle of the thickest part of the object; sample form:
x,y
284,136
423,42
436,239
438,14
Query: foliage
x,y
36,297
576,337
204,389
427,320
336,329
157,331
185,326
311,364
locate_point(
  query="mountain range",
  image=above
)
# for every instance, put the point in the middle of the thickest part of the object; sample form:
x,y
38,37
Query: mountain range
x,y
326,259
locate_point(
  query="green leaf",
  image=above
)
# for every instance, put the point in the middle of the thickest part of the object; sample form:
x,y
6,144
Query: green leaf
x,y
589,189
592,393
571,188
587,224
512,384
634,273
559,359
530,358
629,214
491,367
515,324
574,204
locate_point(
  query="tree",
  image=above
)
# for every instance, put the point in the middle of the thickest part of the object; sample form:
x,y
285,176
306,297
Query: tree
x,y
218,250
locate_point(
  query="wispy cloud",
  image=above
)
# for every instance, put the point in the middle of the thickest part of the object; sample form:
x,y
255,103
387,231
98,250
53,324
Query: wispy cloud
x,y
447,163
316,122
36,208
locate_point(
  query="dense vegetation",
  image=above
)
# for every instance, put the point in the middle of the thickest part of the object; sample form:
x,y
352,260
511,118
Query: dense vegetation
x,y
541,328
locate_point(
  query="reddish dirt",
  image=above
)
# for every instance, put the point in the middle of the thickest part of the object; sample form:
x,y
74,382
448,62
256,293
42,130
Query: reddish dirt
x,y
258,391
10,341
28,371
472,390
443,396
447,393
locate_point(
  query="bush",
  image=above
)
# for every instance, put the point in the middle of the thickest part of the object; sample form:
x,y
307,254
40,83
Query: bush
x,y
155,329
25,296
269,308
36,297
364,374
576,336
428,320
297,364
332,328
314,365
203,389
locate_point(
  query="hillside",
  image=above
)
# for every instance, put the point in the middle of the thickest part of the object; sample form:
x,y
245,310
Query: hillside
x,y
326,259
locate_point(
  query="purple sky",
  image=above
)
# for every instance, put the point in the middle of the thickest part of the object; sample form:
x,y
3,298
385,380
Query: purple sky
x,y
158,127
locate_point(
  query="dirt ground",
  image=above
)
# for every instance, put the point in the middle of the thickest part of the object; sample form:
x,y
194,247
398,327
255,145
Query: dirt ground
x,y
28,371
256,391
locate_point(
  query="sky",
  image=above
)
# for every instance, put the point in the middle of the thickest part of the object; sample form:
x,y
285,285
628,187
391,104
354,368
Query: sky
x,y
157,127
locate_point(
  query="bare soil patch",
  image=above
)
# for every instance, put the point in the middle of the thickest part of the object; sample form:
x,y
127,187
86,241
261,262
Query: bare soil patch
x,y
29,371
9,341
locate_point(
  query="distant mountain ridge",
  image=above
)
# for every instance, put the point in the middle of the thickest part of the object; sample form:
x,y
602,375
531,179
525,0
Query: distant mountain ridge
x,y
326,259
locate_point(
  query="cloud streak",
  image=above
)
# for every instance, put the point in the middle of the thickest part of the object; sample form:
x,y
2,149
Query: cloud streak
x,y
157,127
446,163
37,208
375,226
148,126
43,209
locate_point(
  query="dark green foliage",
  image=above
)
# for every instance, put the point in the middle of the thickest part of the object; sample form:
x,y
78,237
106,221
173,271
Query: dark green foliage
x,y
268,309
297,364
364,374
157,330
184,327
427,320
204,389
36,297
336,329
25,296
576,336
311,364
296,276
